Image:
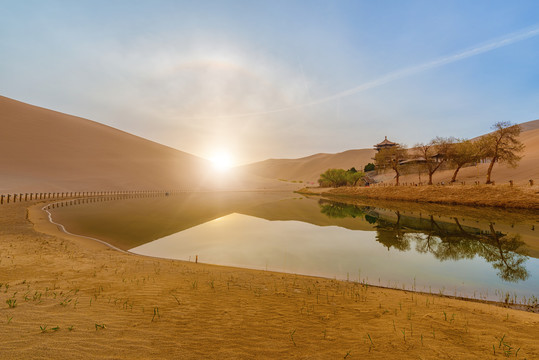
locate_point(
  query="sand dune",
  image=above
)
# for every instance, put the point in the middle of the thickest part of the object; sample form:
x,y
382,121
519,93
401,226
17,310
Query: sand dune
x,y
528,167
308,169
44,150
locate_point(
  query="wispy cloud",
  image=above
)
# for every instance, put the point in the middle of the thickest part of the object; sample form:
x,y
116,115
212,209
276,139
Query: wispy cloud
x,y
402,73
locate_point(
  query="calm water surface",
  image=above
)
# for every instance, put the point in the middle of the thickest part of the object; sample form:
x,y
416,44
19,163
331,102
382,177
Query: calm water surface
x,y
488,254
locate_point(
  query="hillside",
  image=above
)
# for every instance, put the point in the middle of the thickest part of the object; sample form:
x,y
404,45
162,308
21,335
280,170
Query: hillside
x,y
309,168
528,167
44,150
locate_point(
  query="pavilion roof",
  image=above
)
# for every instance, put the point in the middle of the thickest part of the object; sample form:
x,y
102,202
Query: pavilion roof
x,y
386,142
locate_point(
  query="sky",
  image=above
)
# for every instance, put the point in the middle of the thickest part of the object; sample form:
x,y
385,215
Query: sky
x,y
280,78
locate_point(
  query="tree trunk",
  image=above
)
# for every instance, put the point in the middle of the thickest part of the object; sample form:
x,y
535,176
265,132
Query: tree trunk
x,y
490,170
454,178
397,178
430,177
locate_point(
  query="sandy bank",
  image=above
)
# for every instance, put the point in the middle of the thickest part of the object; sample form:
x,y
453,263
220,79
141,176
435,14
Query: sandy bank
x,y
502,196
74,298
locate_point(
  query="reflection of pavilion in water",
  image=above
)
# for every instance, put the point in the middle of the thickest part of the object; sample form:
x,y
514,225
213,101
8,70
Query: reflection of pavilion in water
x,y
446,241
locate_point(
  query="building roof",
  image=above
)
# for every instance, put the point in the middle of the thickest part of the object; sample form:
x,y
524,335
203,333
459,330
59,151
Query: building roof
x,y
385,143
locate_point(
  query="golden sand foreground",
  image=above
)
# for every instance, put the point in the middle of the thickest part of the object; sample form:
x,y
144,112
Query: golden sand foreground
x,y
67,297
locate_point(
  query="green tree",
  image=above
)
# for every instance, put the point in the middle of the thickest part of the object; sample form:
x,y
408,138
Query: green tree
x,y
340,177
392,158
369,167
460,153
339,210
501,145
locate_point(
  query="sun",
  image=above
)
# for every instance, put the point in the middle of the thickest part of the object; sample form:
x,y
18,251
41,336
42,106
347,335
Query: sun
x,y
221,160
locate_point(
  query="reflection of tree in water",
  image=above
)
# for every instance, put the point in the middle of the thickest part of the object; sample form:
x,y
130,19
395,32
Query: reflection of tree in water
x,y
446,241
339,210
392,234
501,251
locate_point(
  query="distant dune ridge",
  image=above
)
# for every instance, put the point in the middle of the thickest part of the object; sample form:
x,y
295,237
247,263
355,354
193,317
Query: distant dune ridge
x,y
309,168
43,150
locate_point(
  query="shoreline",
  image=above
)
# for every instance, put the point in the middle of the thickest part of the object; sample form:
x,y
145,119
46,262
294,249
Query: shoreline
x,y
76,297
63,232
494,196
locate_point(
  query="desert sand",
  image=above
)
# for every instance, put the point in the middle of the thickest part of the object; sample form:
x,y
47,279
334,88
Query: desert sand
x,y
308,169
45,151
67,297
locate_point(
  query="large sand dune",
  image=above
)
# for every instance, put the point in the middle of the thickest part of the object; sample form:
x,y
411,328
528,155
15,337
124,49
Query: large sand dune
x,y
527,169
308,169
43,150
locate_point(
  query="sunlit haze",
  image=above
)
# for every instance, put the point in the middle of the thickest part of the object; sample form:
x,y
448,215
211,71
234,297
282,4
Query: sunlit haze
x,y
222,161
276,79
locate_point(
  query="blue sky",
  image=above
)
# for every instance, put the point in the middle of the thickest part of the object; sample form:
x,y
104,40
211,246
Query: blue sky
x,y
270,79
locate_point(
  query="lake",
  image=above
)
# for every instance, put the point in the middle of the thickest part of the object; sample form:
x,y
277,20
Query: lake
x,y
475,253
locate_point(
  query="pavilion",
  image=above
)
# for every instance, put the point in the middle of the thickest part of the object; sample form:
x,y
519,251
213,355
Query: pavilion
x,y
386,144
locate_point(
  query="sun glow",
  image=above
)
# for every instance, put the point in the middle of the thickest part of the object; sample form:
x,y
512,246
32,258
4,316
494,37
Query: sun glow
x,y
221,160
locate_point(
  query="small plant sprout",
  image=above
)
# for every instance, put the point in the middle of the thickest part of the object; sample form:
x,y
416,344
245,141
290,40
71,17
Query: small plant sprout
x,y
100,326
44,329
11,303
292,336
403,331
156,313
70,328
370,339
347,354
56,328
9,318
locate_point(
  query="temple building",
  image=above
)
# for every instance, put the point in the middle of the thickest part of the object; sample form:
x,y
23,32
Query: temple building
x,y
386,144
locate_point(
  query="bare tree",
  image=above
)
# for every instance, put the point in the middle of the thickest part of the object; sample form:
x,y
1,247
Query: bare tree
x,y
460,153
435,153
392,158
502,146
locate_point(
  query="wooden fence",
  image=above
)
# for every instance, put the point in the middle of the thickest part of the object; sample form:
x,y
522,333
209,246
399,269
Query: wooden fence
x,y
19,197
382,184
